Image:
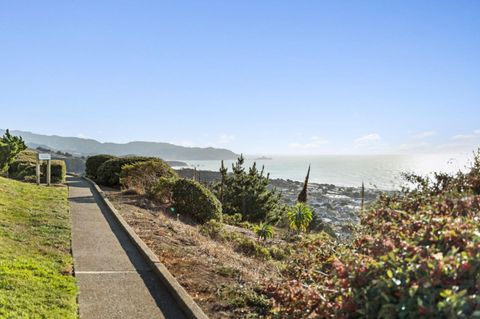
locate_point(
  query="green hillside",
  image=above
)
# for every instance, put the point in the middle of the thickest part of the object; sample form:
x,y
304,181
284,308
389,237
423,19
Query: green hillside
x,y
35,263
88,147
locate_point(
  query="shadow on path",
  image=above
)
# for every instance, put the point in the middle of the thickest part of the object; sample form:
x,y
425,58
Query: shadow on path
x,y
157,289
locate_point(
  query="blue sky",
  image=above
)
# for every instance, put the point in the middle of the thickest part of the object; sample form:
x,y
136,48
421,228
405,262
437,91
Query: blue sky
x,y
259,77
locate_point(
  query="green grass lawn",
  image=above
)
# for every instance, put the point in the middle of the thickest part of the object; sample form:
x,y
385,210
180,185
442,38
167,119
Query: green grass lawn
x,y
35,261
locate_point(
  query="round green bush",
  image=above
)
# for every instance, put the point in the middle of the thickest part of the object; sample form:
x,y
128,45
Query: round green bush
x,y
108,173
161,190
141,176
193,199
94,162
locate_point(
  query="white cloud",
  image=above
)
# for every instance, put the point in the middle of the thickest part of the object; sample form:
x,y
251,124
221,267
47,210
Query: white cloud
x,y
425,134
314,142
367,140
81,135
462,137
462,142
472,135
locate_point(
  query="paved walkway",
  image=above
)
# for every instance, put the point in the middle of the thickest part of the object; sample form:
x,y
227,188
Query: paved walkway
x,y
113,278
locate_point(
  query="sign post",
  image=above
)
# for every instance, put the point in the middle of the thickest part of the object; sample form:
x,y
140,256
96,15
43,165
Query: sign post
x,y
38,171
49,172
44,157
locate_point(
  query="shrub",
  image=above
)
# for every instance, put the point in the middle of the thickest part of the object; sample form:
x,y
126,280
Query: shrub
x,y
196,201
234,219
212,229
161,190
141,176
94,162
23,171
249,247
58,170
108,173
23,165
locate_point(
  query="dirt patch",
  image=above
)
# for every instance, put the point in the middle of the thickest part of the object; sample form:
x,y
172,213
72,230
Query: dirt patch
x,y
221,280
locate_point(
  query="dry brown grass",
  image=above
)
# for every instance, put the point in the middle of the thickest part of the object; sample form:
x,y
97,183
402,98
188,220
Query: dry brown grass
x,y
204,267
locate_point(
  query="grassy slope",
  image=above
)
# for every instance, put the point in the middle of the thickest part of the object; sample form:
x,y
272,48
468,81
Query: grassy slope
x,y
35,260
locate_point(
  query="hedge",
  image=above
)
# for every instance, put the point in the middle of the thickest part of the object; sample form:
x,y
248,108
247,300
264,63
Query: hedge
x,y
24,168
94,162
58,171
193,199
141,176
23,165
108,173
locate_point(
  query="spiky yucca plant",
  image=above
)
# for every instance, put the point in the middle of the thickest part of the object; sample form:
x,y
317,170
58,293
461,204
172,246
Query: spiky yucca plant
x,y
264,231
300,216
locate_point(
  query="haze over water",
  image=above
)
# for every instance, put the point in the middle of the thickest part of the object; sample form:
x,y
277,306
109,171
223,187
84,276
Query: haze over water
x,y
381,171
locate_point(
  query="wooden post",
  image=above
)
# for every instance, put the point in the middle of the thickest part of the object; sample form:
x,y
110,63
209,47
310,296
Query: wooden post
x,y
38,171
49,172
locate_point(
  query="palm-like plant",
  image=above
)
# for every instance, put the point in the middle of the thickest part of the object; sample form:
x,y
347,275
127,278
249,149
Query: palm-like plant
x,y
264,231
300,217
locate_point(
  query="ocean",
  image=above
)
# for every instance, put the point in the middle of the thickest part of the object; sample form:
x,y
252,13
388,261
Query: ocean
x,y
376,171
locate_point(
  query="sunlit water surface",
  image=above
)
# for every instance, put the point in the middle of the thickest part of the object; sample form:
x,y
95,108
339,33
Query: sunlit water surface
x,y
380,171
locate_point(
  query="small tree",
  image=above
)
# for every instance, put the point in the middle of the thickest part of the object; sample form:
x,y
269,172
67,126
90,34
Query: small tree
x,y
246,192
300,216
10,146
223,173
264,231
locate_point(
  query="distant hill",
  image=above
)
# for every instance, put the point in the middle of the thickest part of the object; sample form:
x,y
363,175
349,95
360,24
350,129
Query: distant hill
x,y
82,146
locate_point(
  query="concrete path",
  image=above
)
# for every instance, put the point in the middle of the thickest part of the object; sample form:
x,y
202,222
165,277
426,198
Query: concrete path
x,y
114,279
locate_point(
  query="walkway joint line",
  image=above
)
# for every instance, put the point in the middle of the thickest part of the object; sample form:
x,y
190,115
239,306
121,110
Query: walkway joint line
x,y
108,272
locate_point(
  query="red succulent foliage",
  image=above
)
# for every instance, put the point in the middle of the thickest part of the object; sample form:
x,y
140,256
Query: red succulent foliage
x,y
416,255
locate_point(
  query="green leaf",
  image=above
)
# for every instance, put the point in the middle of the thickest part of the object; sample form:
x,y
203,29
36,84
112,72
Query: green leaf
x,y
446,293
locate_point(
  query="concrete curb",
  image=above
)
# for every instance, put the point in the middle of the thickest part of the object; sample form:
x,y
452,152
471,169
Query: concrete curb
x,y
188,305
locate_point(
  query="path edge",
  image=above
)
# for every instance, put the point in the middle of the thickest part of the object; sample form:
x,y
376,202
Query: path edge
x,y
186,302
